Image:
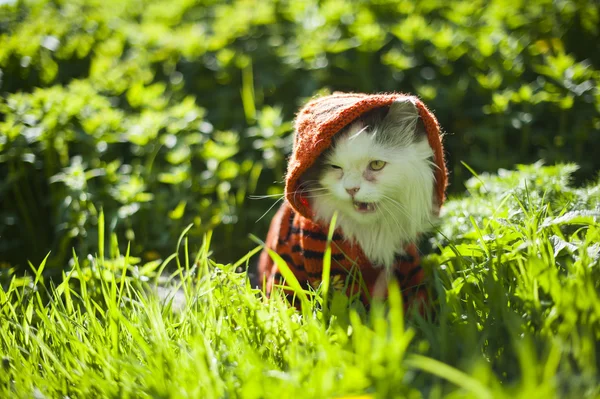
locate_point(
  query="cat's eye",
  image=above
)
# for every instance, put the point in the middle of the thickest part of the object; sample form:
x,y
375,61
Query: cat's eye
x,y
335,167
376,165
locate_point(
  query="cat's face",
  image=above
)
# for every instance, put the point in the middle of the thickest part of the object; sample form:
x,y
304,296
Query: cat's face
x,y
375,166
378,175
359,174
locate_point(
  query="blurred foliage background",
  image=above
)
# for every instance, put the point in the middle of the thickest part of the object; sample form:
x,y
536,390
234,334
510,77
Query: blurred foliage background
x,y
166,113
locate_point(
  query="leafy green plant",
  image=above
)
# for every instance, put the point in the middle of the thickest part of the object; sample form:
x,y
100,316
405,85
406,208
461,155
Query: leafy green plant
x,y
516,315
183,108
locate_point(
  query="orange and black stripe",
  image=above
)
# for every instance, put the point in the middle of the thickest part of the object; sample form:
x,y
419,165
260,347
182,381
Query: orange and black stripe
x,y
301,243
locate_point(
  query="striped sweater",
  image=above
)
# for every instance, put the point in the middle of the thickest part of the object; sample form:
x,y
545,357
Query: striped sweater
x,y
301,242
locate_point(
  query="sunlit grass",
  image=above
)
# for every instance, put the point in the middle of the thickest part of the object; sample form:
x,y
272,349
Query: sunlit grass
x,y
516,314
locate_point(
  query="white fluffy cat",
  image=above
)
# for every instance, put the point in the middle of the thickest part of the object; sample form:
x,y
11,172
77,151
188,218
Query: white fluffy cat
x,y
379,176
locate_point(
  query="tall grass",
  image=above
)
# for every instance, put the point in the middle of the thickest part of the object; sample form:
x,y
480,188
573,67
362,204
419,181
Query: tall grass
x,y
516,314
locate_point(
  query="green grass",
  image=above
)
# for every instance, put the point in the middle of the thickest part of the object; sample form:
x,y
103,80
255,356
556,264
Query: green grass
x,y
514,272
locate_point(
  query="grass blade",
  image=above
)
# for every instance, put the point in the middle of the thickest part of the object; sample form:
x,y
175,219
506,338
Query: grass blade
x,y
327,263
449,373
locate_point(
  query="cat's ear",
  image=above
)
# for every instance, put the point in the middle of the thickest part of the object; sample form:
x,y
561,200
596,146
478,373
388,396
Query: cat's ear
x,y
402,111
403,118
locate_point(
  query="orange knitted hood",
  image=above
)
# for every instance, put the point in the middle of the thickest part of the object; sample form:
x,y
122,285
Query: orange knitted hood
x,y
322,118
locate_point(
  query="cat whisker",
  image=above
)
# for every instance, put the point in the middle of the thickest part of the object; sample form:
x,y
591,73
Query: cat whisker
x,y
318,196
258,197
309,184
400,207
403,209
302,190
303,193
397,204
306,183
393,217
432,164
406,215
310,188
267,196
398,225
268,210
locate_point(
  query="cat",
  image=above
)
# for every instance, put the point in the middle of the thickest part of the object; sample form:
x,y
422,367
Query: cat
x,y
375,160
379,177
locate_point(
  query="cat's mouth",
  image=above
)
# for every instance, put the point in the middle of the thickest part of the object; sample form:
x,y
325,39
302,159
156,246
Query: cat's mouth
x,y
364,207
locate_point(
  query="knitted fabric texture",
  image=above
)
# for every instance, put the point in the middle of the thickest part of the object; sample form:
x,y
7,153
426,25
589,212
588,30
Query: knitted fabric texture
x,y
301,242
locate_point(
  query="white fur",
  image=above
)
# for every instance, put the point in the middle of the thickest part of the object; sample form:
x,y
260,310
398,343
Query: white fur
x,y
402,192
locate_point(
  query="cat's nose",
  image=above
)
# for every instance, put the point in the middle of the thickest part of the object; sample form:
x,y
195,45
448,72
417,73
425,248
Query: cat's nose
x,y
352,191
